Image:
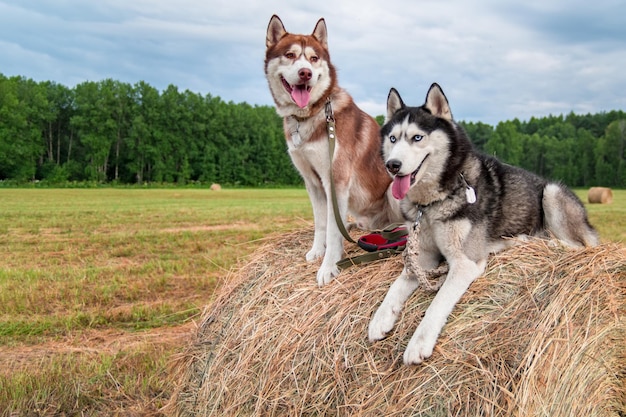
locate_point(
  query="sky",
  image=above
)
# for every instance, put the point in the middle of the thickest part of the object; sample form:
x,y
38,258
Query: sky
x,y
496,60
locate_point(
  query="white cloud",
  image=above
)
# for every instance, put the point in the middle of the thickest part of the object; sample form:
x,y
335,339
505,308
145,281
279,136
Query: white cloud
x,y
495,60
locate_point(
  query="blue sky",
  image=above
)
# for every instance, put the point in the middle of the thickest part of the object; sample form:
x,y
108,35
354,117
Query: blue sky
x,y
495,60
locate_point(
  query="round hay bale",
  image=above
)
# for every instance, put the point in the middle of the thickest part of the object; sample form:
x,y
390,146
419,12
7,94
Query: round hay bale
x,y
542,332
600,195
215,187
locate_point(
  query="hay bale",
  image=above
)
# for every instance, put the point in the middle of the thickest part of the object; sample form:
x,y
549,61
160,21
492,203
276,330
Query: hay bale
x,y
541,333
215,187
600,195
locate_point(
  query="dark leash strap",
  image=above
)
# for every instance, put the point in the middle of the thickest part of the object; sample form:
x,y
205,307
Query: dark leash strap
x,y
390,232
331,130
368,257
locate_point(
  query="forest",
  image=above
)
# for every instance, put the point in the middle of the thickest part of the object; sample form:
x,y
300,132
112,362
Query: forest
x,y
110,132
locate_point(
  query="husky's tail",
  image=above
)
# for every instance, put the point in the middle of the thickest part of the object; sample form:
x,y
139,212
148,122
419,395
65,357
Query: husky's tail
x,y
566,218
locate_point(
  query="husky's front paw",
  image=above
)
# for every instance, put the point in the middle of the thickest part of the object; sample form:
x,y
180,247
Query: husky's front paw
x,y
421,345
315,253
326,274
382,322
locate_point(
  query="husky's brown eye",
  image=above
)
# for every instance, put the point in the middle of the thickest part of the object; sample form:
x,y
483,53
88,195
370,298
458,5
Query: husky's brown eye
x,y
290,55
314,59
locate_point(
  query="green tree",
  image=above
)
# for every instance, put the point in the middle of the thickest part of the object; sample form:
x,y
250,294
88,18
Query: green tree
x,y
57,133
533,154
583,157
609,152
96,126
121,108
173,128
506,143
479,133
23,113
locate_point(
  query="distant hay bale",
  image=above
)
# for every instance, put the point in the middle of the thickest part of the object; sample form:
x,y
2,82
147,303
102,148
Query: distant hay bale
x,y
600,195
542,332
216,187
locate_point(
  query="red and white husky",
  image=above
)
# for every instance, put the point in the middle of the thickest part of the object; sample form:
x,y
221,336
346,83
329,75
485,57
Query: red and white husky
x,y
302,80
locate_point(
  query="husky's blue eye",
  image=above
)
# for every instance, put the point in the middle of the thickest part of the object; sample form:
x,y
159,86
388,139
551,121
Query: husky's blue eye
x,y
392,139
417,138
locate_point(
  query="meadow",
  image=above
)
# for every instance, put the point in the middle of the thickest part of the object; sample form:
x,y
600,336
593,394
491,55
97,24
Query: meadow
x,y
100,289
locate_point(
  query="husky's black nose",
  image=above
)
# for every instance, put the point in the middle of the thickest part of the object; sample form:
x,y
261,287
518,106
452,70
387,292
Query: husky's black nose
x,y
305,74
393,166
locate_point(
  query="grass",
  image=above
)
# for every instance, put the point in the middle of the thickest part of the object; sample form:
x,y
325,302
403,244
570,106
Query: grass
x,y
82,270
99,288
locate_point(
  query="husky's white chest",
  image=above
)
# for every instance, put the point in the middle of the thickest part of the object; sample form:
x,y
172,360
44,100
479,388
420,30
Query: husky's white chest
x,y
301,131
307,151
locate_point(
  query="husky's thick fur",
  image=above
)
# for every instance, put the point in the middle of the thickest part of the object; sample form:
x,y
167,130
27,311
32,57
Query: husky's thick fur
x,y
303,82
469,205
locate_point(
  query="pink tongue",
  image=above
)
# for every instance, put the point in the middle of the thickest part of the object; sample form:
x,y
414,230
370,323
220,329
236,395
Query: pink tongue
x,y
400,186
301,96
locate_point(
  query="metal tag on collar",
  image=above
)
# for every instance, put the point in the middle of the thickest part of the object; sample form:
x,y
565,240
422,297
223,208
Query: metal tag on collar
x,y
470,193
416,223
330,117
296,139
295,135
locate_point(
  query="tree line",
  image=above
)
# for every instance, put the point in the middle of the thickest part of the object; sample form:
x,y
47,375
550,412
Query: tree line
x,y
109,131
579,150
114,132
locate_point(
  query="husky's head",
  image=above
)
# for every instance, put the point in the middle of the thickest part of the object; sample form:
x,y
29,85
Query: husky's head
x,y
297,67
417,141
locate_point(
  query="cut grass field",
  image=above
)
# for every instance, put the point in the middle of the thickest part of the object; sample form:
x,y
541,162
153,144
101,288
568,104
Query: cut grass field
x,y
100,288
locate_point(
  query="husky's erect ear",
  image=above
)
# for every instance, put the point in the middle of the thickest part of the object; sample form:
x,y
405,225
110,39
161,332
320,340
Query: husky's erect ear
x,y
275,31
320,33
394,103
437,102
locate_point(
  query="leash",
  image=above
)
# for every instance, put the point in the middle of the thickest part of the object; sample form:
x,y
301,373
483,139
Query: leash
x,y
410,257
331,131
394,233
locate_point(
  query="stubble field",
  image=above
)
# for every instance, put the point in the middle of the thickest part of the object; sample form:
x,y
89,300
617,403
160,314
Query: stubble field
x,y
101,288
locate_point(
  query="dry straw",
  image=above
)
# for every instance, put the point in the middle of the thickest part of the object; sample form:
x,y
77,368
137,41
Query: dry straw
x,y
540,334
600,195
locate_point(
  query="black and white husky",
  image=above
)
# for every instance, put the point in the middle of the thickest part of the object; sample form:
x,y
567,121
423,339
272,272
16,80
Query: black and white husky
x,y
468,204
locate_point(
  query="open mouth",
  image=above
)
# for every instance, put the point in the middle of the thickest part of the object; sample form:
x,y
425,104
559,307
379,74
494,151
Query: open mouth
x,y
402,183
300,93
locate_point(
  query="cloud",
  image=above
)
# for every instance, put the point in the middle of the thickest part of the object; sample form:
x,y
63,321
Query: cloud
x,y
495,60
